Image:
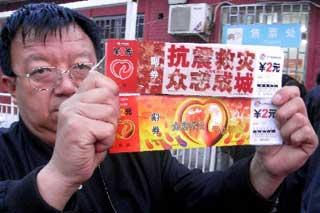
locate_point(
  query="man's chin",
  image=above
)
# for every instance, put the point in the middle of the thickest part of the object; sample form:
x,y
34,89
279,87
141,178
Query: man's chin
x,y
46,133
49,134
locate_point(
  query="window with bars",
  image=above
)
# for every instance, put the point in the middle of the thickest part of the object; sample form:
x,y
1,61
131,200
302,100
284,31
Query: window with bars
x,y
295,58
114,26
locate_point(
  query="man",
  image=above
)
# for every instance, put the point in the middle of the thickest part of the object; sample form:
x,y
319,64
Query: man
x,y
312,101
300,191
54,159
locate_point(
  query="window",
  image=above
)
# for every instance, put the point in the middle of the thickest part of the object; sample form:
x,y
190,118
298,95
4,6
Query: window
x,y
295,58
114,26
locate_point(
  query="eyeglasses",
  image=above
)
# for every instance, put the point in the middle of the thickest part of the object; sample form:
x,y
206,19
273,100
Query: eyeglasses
x,y
46,78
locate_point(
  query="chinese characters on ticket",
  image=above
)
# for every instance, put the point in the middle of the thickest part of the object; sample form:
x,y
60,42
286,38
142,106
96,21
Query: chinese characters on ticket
x,y
187,95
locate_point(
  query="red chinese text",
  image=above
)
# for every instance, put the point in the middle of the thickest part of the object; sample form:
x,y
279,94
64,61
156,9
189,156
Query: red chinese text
x,y
224,59
245,60
176,80
200,81
178,56
202,57
222,82
244,83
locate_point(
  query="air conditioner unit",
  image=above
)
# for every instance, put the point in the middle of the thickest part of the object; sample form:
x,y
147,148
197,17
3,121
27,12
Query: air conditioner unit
x,y
177,1
190,19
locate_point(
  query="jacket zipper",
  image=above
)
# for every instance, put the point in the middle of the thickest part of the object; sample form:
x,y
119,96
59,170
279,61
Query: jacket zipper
x,y
107,191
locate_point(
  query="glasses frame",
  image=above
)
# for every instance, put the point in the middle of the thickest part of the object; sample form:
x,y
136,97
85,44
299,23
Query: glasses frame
x,y
61,72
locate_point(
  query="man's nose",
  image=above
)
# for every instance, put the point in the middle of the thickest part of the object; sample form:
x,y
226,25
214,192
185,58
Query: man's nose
x,y
65,85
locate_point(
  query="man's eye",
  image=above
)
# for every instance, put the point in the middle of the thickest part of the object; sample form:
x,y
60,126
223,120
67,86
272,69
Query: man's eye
x,y
83,66
41,71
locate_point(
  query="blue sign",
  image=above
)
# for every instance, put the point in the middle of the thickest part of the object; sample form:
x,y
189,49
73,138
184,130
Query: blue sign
x,y
283,35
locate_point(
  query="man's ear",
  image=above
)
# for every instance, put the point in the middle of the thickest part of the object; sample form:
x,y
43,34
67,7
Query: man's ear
x,y
9,84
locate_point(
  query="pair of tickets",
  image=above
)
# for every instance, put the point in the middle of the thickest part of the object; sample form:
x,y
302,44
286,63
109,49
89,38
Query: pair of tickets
x,y
189,95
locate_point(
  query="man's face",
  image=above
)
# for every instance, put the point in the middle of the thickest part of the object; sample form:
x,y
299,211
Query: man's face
x,y
39,109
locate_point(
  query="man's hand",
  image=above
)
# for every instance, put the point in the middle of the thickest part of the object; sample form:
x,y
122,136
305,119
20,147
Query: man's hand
x,y
87,124
271,164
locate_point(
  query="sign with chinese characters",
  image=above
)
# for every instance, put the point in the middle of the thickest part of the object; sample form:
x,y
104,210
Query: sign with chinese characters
x,y
282,35
150,123
122,60
194,69
187,95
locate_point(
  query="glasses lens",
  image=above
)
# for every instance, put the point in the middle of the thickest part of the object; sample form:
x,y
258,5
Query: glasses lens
x,y
79,72
43,78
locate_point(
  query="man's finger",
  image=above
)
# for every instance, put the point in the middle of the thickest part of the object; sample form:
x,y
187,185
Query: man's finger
x,y
97,80
102,131
296,122
285,94
305,138
289,109
97,95
102,112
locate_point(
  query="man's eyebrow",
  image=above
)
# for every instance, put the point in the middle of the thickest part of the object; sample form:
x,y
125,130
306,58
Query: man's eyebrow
x,y
35,57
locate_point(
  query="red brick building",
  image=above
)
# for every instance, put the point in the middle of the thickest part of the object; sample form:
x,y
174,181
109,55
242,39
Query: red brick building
x,y
152,24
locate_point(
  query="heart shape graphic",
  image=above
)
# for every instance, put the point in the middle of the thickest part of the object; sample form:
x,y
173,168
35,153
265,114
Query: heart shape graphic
x,y
126,129
206,121
121,68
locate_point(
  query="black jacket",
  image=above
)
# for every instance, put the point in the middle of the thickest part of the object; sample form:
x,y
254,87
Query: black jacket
x,y
134,182
300,192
